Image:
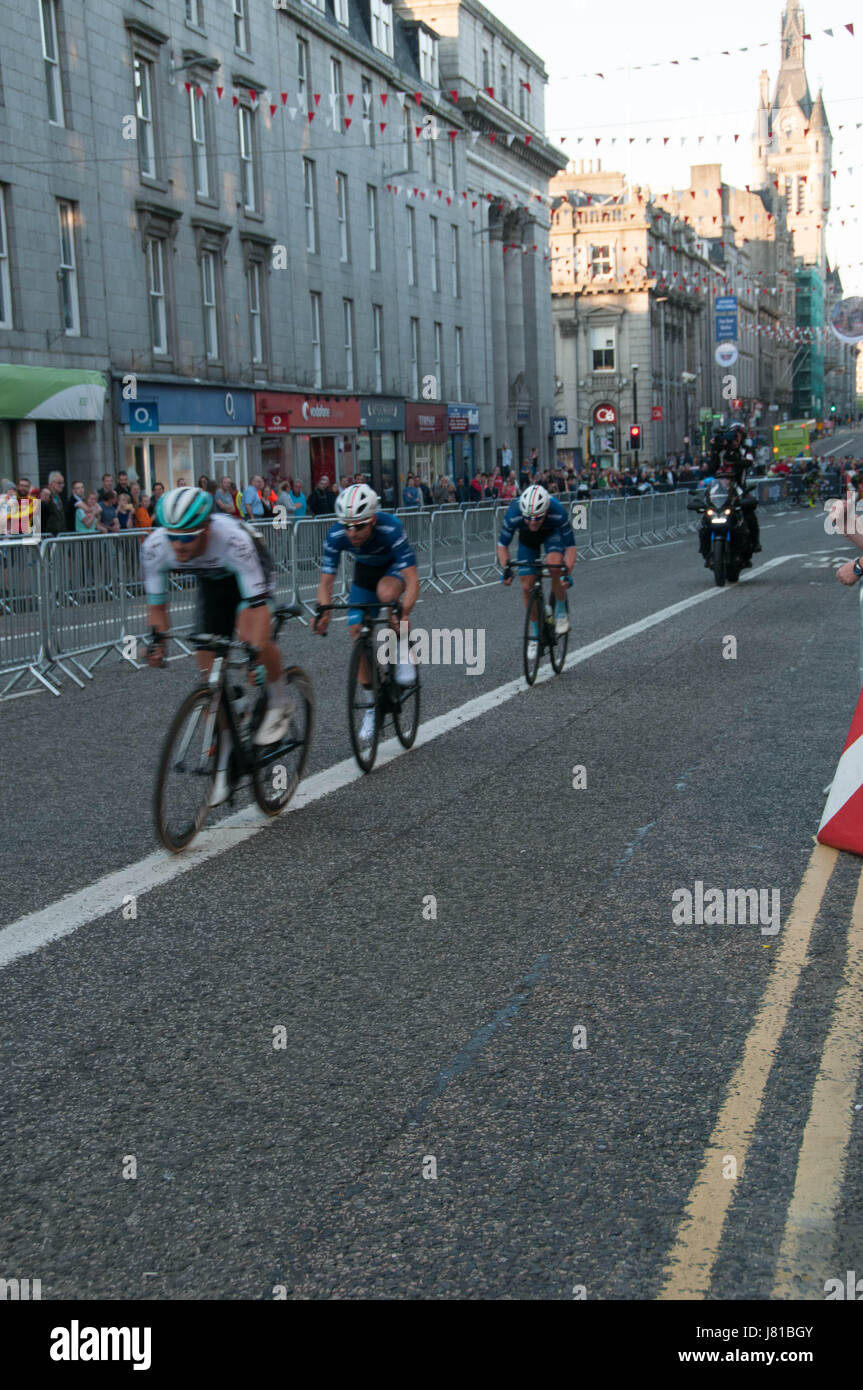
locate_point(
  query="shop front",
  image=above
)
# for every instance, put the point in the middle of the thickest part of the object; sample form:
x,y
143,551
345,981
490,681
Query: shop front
x,y
382,421
50,418
427,438
176,434
311,437
462,428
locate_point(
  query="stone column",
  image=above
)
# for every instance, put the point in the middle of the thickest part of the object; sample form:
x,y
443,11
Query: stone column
x,y
499,345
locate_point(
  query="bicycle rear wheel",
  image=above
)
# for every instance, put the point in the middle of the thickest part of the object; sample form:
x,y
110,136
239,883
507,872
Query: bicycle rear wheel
x,y
365,734
187,769
406,710
532,619
559,644
277,770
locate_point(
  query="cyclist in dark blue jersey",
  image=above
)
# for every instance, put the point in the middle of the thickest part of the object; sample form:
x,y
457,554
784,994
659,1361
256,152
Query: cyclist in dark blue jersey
x,y
385,571
538,520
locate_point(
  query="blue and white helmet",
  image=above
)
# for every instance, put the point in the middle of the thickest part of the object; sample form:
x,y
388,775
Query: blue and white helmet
x,y
534,502
184,509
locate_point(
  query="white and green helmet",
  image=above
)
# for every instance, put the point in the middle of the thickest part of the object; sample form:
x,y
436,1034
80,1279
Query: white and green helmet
x,y
184,508
357,503
534,502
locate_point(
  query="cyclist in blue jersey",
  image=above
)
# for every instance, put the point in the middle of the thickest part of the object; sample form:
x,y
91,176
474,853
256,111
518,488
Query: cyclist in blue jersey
x,y
385,571
539,520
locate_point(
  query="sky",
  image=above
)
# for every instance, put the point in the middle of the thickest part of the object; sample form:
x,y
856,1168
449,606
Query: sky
x,y
716,96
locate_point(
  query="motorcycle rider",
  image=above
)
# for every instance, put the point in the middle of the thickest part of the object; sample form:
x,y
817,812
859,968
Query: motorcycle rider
x,y
730,455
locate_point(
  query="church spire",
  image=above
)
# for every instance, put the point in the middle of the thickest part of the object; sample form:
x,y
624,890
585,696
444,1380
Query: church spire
x,y
792,34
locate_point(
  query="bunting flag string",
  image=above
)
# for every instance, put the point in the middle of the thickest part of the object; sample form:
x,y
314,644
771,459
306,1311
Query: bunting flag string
x,y
841,31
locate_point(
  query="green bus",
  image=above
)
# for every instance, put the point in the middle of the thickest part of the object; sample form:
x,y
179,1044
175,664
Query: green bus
x,y
791,439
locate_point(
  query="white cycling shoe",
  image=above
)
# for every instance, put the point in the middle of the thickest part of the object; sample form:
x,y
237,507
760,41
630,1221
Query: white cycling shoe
x,y
274,724
367,728
405,673
221,788
532,649
561,625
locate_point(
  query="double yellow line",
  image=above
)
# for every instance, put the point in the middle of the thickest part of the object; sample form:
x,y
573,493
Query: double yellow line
x,y
803,1262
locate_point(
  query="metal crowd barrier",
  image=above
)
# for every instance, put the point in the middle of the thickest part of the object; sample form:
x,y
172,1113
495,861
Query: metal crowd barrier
x,y
68,602
22,616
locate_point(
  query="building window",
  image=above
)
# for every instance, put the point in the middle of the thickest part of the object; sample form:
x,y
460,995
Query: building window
x,y
5,277
456,265
407,140
68,273
415,359
428,59
438,361
341,10
256,333
310,193
486,68
193,13
412,246
342,217
348,315
459,384
156,292
600,262
198,111
374,248
211,312
503,94
51,55
368,112
247,158
429,144
602,349
337,97
444,153
435,254
382,26
377,346
522,96
144,113
303,75
241,26
317,347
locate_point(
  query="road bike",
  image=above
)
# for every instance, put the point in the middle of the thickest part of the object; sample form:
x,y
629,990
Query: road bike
x,y
539,624
384,696
225,704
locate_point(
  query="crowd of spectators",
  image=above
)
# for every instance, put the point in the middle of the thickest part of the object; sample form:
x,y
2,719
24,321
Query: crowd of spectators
x,y
120,505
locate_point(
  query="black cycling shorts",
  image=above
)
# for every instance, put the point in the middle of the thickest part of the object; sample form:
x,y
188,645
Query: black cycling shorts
x,y
218,601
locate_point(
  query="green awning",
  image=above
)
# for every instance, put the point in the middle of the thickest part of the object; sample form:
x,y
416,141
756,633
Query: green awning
x,y
50,393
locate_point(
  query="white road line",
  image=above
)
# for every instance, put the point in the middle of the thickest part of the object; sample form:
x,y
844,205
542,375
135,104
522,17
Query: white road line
x,y
35,930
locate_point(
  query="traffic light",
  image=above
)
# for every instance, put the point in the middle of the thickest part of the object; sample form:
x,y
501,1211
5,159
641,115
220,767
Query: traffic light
x,y
832,407
635,437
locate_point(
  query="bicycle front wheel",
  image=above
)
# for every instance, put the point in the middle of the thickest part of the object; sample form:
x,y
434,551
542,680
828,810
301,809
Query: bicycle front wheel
x,y
559,644
187,769
532,637
278,769
406,710
364,711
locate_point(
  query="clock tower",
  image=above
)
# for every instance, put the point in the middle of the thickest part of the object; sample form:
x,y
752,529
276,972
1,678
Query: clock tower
x,y
792,144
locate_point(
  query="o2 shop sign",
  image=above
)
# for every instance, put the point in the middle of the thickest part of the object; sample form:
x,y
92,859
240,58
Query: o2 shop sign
x,y
605,415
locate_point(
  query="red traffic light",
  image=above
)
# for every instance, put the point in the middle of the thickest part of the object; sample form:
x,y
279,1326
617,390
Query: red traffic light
x,y
635,436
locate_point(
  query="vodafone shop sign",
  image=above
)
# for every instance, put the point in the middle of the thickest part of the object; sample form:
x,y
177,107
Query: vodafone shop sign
x,y
604,414
278,411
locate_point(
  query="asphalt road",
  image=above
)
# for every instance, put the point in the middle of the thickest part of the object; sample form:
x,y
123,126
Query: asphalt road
x,y
565,1159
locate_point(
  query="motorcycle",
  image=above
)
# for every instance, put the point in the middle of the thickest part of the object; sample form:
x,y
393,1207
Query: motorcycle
x,y
728,538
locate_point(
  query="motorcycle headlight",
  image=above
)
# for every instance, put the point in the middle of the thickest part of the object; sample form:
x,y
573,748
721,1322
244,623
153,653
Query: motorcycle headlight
x,y
709,511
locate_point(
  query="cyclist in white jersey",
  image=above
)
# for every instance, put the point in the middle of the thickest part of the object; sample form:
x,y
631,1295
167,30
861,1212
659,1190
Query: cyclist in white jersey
x,y
235,590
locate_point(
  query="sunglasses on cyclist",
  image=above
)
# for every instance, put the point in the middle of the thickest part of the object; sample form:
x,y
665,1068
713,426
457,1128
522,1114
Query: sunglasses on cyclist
x,y
357,525
182,537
